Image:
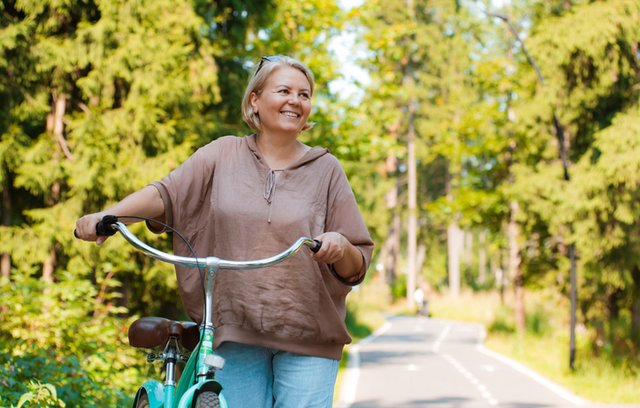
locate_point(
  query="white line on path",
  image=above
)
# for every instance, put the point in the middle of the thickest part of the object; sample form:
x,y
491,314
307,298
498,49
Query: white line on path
x,y
484,391
436,345
558,390
352,373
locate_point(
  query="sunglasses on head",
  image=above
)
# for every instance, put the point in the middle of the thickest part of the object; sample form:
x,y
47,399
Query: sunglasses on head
x,y
268,58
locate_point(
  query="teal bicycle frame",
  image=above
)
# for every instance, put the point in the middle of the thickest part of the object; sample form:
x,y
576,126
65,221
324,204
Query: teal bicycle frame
x,y
204,358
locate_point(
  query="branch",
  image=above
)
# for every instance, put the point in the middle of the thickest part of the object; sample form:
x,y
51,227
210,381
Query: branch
x,y
516,34
60,104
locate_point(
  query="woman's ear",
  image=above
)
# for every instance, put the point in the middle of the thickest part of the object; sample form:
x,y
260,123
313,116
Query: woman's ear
x,y
253,100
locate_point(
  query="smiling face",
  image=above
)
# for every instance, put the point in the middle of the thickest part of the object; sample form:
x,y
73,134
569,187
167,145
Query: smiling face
x,y
284,103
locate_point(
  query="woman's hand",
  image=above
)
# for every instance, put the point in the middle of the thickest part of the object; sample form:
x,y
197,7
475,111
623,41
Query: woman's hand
x,y
345,258
86,228
143,203
333,248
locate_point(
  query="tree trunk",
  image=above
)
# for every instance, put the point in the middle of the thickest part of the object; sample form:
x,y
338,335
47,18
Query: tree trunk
x,y
482,258
412,229
455,243
635,307
5,259
455,238
468,249
390,252
420,257
5,265
391,249
48,266
55,127
395,240
408,82
513,232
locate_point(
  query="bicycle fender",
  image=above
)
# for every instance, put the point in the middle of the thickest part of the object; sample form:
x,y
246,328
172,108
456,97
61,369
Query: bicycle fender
x,y
155,392
188,398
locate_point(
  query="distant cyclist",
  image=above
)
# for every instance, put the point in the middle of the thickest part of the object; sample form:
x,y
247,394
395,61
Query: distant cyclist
x,y
422,303
281,329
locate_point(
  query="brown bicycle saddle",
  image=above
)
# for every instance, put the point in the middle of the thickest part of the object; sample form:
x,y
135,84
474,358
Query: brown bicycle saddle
x,y
150,332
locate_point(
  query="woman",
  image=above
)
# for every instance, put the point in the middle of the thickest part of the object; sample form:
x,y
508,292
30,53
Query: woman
x,y
281,329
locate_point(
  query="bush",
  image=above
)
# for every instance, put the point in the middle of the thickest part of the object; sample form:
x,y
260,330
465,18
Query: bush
x,y
537,321
503,321
60,379
40,395
399,287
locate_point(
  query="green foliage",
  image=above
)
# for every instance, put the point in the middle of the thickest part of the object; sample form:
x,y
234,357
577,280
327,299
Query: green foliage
x,y
538,320
48,379
434,268
356,327
503,321
40,395
366,308
587,58
45,336
486,103
399,287
99,98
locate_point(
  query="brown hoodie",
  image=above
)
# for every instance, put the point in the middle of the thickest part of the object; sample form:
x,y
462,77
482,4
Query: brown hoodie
x,y
230,204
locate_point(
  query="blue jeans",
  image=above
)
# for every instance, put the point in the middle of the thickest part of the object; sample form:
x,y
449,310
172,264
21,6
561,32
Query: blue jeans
x,y
259,377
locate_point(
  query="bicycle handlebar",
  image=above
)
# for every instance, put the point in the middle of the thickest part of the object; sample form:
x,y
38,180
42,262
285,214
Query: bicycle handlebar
x,y
109,226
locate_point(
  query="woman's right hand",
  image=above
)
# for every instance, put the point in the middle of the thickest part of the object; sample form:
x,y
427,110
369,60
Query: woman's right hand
x,y
86,228
145,202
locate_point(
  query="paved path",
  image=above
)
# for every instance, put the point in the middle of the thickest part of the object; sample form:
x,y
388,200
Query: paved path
x,y
418,362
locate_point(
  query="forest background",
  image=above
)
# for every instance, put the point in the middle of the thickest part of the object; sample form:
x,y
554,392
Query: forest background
x,y
493,148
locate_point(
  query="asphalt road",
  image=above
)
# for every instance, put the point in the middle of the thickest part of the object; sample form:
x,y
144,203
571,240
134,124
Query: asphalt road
x,y
418,362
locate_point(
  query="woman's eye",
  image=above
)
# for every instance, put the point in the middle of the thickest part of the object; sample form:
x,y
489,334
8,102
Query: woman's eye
x,y
304,96
283,91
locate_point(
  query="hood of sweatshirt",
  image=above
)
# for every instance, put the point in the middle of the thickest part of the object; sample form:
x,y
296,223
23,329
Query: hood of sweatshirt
x,y
271,175
311,155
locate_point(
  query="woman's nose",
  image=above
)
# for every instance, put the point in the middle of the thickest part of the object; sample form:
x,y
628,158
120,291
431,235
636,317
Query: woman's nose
x,y
294,99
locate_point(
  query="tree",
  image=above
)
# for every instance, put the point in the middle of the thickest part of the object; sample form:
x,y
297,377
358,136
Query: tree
x,y
608,192
585,52
98,99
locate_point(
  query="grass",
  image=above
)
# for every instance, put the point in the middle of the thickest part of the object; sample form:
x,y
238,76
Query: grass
x,y
593,379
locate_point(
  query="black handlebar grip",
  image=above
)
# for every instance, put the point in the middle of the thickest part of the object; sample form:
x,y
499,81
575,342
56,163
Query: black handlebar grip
x,y
104,226
316,248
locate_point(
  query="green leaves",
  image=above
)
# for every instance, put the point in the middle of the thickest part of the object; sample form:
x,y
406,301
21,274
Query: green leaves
x,y
145,83
138,82
40,394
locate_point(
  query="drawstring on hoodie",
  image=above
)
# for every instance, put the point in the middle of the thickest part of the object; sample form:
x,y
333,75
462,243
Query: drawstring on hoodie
x,y
270,190
271,176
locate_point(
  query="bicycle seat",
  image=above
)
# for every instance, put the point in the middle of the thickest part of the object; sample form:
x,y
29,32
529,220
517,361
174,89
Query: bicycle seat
x,y
150,332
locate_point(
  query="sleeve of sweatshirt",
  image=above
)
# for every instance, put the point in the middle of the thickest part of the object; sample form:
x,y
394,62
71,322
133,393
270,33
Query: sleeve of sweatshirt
x,y
343,216
186,189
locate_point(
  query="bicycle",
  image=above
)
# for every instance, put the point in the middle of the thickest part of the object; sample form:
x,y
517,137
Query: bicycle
x,y
201,389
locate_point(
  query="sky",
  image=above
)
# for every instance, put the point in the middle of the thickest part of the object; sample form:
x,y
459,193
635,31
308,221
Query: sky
x,y
346,52
348,4
343,46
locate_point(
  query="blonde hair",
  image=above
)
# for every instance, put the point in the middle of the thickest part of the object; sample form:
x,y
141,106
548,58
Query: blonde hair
x,y
260,75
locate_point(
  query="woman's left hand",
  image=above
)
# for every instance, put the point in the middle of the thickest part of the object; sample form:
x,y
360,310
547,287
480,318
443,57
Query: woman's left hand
x,y
333,248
